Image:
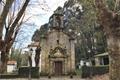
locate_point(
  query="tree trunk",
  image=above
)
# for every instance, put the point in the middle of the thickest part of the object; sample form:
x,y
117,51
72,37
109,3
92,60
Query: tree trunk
x,y
114,54
4,59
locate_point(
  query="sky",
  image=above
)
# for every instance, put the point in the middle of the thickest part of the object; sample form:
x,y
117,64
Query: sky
x,y
43,9
38,13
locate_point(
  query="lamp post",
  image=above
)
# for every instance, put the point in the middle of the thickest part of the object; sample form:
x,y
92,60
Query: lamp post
x,y
30,62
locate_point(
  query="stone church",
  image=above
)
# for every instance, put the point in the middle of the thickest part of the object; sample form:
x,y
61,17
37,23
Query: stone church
x,y
57,48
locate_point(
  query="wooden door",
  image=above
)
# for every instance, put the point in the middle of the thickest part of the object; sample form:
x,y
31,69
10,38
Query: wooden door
x,y
58,67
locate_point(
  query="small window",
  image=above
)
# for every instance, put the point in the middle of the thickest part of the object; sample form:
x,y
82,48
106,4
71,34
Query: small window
x,y
57,41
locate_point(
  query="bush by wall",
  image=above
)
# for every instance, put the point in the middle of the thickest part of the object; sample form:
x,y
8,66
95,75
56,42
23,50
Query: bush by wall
x,y
8,76
44,74
25,71
93,70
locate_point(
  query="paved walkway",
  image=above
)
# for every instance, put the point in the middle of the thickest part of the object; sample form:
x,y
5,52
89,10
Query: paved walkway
x,y
52,78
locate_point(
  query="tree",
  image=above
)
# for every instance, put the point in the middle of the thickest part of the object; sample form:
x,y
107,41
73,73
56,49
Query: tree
x,y
110,20
81,17
39,33
10,20
21,58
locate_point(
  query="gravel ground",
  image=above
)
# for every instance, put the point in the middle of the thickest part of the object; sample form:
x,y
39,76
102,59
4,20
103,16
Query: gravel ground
x,y
52,78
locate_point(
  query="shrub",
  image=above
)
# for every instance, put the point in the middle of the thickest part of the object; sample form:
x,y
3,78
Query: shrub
x,y
8,76
78,71
44,74
71,73
24,72
93,70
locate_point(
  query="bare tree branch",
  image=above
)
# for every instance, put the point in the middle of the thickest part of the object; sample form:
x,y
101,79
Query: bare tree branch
x,y
4,13
14,24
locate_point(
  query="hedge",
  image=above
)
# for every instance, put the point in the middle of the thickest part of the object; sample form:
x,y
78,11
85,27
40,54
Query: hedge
x,y
93,70
24,72
8,76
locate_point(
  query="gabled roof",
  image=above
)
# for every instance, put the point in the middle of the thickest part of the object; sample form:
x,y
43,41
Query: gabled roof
x,y
12,62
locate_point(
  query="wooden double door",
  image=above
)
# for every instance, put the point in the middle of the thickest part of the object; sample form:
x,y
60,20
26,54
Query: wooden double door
x,y
58,68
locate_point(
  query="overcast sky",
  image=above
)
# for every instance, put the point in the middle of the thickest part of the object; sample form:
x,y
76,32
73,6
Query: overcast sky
x,y
42,10
39,12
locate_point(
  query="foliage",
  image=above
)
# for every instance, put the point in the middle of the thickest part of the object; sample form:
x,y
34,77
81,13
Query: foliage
x,y
24,72
40,33
93,70
22,59
78,71
8,76
84,21
44,74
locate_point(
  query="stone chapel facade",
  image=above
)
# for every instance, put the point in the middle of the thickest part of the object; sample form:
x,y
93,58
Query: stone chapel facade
x,y
57,49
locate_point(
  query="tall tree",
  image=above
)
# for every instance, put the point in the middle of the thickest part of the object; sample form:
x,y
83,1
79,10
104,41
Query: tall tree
x,y
110,20
81,17
10,20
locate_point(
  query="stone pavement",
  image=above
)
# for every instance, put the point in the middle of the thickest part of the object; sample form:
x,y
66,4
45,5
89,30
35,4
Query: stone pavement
x,y
52,78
